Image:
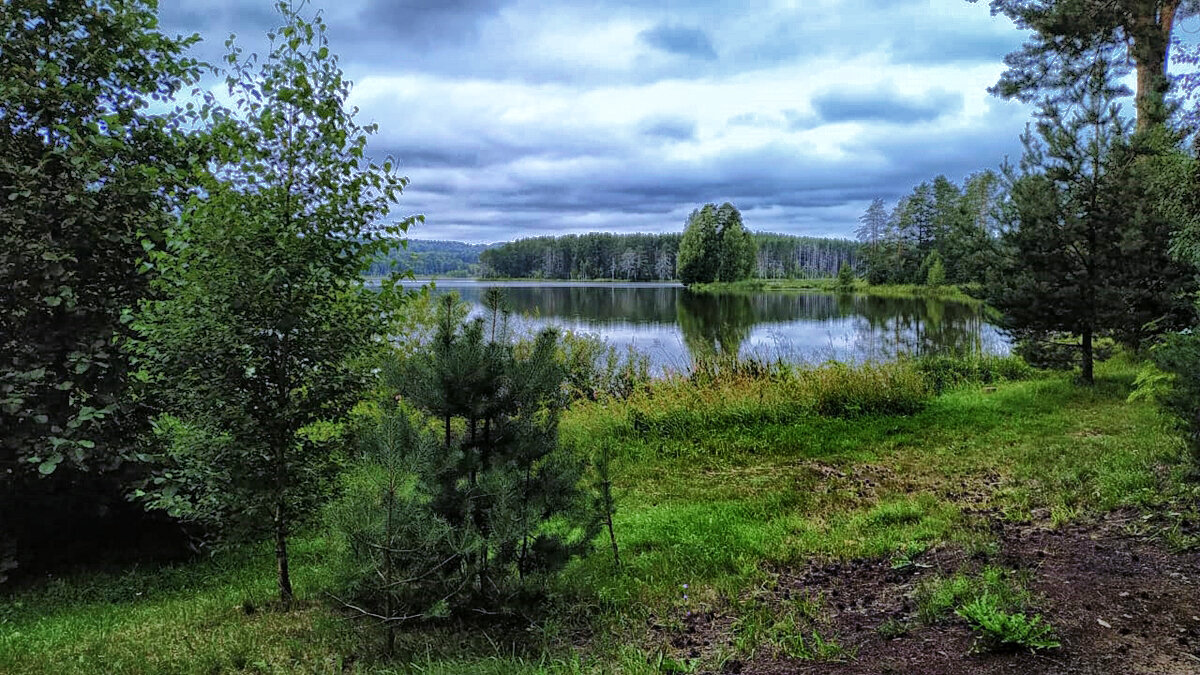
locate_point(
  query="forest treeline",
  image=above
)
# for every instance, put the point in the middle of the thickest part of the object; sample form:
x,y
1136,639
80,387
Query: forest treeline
x,y
430,258
654,257
937,221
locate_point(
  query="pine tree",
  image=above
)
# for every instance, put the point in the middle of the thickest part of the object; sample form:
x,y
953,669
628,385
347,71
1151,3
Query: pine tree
x,y
1067,32
1085,254
872,225
501,474
845,280
390,541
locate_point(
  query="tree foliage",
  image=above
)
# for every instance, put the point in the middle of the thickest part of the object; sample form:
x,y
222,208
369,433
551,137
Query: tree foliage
x,y
88,177
652,257
257,345
736,251
478,507
935,271
426,258
698,259
1085,253
715,246
1067,32
936,217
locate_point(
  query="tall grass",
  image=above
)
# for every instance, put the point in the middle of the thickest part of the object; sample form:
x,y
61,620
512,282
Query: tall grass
x,y
718,393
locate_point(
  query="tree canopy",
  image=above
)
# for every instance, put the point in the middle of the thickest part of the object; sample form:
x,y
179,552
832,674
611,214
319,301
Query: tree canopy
x,y
715,246
1066,32
262,333
1085,251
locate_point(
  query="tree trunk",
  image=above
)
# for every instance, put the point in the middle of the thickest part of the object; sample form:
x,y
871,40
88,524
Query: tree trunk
x,y
389,536
1087,365
1151,32
608,518
281,557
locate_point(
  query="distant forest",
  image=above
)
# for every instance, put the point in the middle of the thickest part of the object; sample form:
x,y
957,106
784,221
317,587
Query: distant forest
x,y
599,255
428,258
651,257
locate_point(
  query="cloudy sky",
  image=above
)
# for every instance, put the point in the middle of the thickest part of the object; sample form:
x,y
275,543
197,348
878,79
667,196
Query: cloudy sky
x,y
515,118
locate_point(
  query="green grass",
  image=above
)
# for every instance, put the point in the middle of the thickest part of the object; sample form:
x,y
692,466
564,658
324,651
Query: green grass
x,y
718,483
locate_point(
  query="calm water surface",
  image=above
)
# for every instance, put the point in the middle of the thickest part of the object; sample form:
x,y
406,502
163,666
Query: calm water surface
x,y
673,326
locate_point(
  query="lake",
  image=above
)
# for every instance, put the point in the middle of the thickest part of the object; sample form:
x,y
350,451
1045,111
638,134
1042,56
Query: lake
x,y
673,326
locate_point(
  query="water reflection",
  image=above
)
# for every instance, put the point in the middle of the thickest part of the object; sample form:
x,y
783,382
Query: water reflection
x,y
674,326
714,325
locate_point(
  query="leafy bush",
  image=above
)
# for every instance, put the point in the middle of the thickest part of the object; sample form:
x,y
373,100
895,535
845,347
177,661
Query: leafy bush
x,y
1000,630
1173,380
596,370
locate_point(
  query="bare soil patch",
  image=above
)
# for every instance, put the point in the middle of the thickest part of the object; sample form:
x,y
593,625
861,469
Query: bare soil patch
x,y
1120,604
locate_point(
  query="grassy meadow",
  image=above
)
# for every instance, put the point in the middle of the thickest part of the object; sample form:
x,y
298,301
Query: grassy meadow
x,y
727,480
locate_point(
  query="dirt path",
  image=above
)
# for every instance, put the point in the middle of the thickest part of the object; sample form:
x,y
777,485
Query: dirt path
x,y
1120,604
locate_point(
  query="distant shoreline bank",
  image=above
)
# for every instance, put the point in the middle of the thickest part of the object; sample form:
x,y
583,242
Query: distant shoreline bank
x,y
949,293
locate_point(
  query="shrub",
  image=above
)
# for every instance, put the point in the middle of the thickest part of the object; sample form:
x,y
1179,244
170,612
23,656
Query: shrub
x,y
845,277
935,271
596,370
1000,630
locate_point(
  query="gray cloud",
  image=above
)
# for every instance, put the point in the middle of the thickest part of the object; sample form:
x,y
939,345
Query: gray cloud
x,y
476,99
778,189
680,40
885,106
425,22
670,128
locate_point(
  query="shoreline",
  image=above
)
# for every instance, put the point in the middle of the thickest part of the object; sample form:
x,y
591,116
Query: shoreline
x,y
948,293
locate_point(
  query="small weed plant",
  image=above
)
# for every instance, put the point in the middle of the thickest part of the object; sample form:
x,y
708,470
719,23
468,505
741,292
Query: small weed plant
x,y
999,630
